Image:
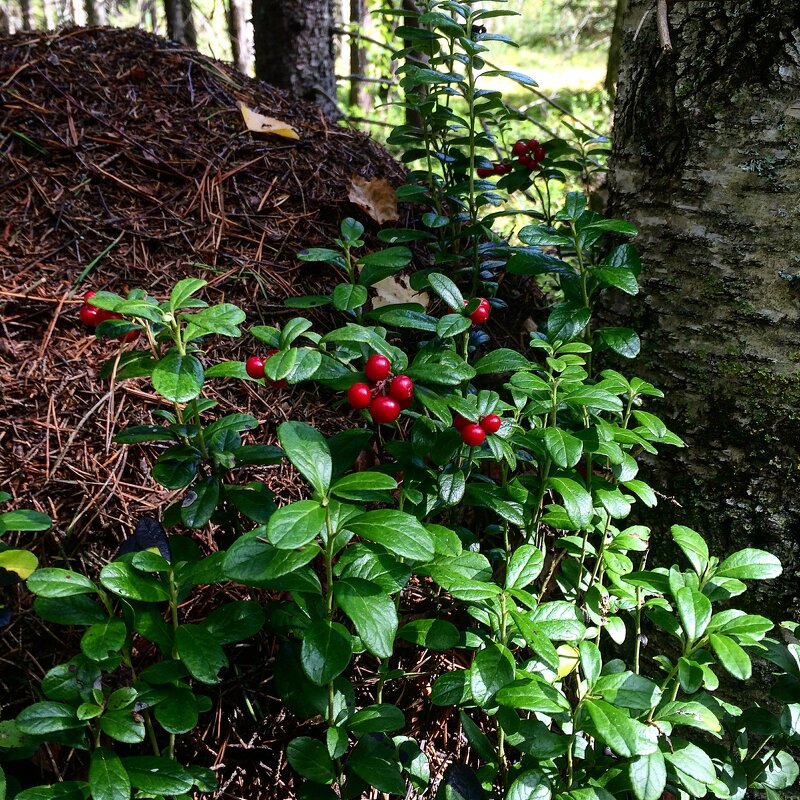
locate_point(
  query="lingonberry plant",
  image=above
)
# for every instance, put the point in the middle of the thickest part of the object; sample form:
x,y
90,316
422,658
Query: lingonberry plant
x,y
501,484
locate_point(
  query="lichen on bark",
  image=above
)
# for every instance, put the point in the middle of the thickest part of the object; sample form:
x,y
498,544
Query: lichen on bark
x,y
706,163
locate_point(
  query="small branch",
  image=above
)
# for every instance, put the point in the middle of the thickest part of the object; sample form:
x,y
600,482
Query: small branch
x,y
378,42
365,79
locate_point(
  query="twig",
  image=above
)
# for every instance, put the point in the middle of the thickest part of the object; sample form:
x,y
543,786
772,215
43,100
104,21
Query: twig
x,y
662,19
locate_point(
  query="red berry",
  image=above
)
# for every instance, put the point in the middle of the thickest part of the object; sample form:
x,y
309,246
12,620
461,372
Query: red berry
x,y
384,409
473,435
130,336
459,423
359,395
88,296
90,316
539,153
407,403
377,368
481,313
520,148
491,423
254,367
401,388
485,172
528,162
504,169
533,144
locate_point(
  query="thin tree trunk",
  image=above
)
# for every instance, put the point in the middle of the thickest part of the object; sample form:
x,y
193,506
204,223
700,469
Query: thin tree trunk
x,y
174,15
77,12
359,19
706,165
189,29
95,12
5,21
614,48
413,117
49,13
294,48
27,16
236,14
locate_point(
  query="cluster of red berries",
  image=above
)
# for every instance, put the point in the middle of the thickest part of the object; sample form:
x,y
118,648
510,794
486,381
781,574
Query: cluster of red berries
x,y
474,433
481,313
92,316
390,396
497,168
528,153
254,367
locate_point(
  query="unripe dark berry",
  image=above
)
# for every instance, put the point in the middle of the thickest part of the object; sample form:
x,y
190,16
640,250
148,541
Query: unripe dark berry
x,y
377,368
384,409
491,423
539,153
359,395
485,172
473,435
481,313
130,336
520,148
90,316
401,388
533,144
254,367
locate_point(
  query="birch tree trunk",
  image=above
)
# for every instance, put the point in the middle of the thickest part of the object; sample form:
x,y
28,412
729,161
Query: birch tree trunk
x,y
706,163
236,13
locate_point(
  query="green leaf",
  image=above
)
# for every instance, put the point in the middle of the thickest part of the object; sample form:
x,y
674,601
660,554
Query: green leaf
x,y
383,263
295,525
223,319
178,712
431,634
501,360
627,690
619,277
200,652
178,378
691,764
177,466
452,325
307,449
307,301
350,487
40,719
400,533
648,776
627,737
591,662
404,318
348,296
183,290
201,502
524,566
750,565
104,639
622,341
566,321
447,291
67,790
158,775
530,786
692,714
731,656
533,694
21,562
380,718
75,610
108,779
577,501
371,611
121,579
563,447
144,433
492,669
694,610
326,651
256,563
122,726
693,546
55,582
23,519
309,758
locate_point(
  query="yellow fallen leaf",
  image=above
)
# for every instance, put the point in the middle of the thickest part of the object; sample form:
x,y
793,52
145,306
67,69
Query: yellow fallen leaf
x,y
568,658
258,123
376,197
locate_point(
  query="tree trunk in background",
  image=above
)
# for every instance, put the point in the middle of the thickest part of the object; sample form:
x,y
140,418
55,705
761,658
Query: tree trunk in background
x,y
27,17
614,47
49,13
294,48
706,164
95,12
189,30
359,20
236,15
5,21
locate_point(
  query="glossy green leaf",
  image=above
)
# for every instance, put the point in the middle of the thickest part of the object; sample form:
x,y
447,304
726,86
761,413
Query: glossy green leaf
x,y
158,775
400,533
694,610
121,579
492,669
295,525
750,564
307,449
200,652
23,519
376,719
55,582
524,566
108,779
626,736
104,639
326,651
563,447
648,776
371,611
40,719
309,758
178,378
731,656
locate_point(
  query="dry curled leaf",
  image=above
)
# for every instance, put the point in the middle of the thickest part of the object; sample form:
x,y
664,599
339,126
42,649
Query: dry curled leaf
x,y
376,197
258,123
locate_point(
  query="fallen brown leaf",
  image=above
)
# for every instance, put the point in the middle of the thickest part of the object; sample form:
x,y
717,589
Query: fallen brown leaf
x,y
376,197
